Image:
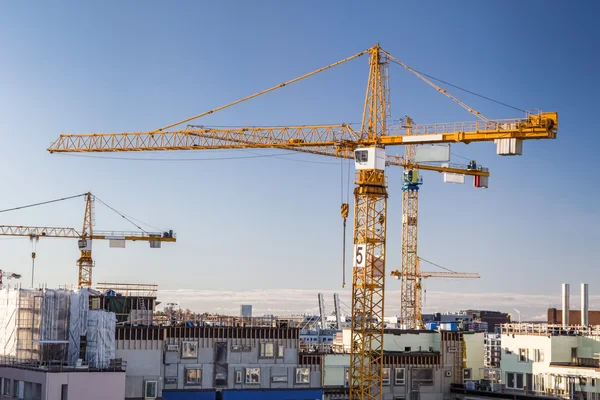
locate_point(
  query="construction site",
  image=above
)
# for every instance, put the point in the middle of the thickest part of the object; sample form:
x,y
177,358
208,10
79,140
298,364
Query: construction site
x,y
100,337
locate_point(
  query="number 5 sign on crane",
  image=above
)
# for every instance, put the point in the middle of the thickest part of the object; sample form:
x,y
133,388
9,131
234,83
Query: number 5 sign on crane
x,y
360,255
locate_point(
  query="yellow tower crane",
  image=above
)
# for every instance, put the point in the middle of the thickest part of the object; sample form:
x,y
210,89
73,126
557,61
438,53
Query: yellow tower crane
x,y
85,238
367,147
410,277
405,275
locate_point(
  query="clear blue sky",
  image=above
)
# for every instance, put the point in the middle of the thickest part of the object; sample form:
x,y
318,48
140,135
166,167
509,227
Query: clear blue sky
x,y
111,66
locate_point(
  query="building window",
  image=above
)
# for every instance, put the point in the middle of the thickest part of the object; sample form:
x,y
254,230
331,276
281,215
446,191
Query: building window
x,y
539,383
266,350
238,377
18,389
422,376
5,386
510,380
302,375
519,381
467,373
150,389
523,355
189,349
252,376
64,392
400,376
280,351
193,376
32,391
538,355
385,376
514,380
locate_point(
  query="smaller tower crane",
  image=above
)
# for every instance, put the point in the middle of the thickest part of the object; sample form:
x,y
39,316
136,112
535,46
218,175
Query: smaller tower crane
x,y
8,275
85,237
404,275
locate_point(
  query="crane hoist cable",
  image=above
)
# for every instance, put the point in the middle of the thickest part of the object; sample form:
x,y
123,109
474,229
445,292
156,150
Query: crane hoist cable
x,y
344,209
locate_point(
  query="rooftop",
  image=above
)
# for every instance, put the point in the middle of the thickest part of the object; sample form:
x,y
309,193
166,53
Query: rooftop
x,y
542,329
117,365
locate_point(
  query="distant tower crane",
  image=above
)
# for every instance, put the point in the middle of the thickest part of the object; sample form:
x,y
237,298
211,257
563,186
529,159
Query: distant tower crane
x,y
417,277
85,238
367,147
8,275
410,291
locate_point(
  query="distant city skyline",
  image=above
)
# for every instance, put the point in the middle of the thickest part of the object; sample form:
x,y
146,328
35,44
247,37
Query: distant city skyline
x,y
293,301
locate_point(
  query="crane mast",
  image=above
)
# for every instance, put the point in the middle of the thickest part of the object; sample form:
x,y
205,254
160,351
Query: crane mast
x,y
409,298
368,272
85,261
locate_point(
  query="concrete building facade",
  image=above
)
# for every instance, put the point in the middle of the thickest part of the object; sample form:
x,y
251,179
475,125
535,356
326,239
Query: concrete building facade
x,y
34,383
173,360
551,360
417,364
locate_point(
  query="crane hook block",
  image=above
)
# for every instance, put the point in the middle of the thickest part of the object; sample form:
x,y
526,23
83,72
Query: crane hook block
x,y
344,209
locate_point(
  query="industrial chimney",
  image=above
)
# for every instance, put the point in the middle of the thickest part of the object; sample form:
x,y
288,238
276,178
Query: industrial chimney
x,y
584,304
565,304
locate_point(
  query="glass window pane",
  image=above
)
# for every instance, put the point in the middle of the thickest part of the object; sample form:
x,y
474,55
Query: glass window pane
x,y
385,376
150,389
510,380
519,381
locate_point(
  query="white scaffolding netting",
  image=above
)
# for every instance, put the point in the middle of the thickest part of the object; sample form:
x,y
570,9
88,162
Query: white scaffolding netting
x,y
78,323
8,321
101,338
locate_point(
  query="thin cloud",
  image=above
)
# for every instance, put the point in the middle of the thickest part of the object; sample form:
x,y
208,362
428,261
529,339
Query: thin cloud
x,y
296,301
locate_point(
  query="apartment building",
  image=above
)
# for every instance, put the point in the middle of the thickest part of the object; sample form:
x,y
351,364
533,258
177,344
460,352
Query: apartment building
x,y
417,364
206,362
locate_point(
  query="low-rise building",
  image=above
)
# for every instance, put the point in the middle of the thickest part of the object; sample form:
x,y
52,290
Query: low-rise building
x,y
175,361
37,381
417,364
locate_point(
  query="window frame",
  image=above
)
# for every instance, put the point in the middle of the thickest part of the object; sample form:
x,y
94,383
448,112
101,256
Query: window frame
x,y
262,350
299,372
280,351
523,355
249,372
239,377
399,382
18,390
5,389
508,380
538,355
522,376
146,389
185,353
386,382
197,381
516,376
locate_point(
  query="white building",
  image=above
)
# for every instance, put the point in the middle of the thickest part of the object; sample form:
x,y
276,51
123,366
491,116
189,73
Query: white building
x,y
417,364
550,359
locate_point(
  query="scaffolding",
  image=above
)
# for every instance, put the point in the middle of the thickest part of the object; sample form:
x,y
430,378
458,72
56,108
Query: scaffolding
x,y
32,321
129,289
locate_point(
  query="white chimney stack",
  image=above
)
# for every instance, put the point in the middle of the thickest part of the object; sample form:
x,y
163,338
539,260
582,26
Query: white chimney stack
x,y
584,305
565,304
